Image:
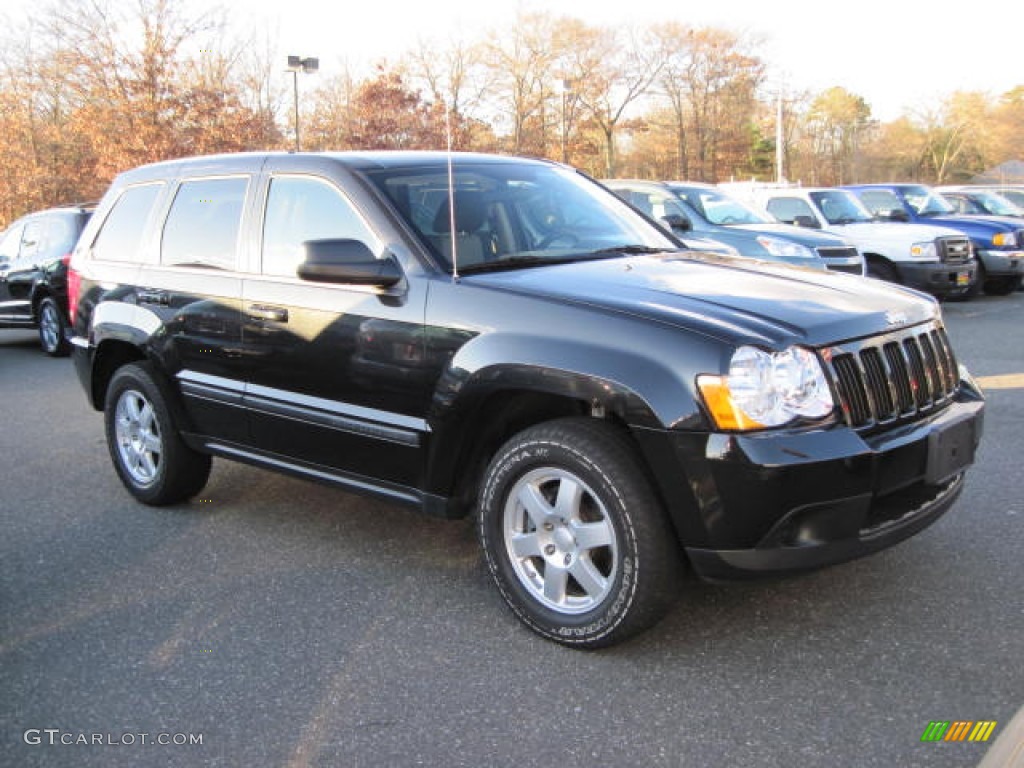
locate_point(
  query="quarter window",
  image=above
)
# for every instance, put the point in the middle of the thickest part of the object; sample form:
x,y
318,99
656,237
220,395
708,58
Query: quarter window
x,y
203,224
120,238
300,209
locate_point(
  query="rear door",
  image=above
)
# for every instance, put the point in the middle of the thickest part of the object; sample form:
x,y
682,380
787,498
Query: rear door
x,y
193,292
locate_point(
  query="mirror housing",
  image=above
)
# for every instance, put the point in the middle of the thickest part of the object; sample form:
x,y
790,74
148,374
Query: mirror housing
x,y
677,222
347,261
896,214
807,222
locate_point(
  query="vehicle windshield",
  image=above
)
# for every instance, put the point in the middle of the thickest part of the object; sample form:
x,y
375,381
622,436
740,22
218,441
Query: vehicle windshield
x,y
925,202
717,207
1015,196
997,204
508,215
840,207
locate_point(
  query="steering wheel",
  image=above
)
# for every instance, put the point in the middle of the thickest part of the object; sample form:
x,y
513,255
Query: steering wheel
x,y
730,220
571,239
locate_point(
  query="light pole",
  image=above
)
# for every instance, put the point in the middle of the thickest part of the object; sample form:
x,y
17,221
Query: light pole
x,y
295,65
566,93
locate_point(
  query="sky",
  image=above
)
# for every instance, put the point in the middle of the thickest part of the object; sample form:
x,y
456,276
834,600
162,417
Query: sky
x,y
897,54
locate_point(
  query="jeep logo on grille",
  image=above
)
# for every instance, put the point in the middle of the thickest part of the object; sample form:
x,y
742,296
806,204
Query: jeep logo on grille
x,y
892,317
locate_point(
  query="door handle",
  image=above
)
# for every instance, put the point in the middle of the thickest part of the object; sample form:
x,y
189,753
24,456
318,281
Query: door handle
x,y
154,297
268,312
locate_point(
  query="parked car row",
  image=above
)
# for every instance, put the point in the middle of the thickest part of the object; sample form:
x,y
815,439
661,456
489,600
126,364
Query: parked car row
x,y
506,338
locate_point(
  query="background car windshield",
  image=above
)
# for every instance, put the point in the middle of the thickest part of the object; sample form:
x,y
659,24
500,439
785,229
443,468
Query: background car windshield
x,y
719,208
998,204
506,211
839,207
925,202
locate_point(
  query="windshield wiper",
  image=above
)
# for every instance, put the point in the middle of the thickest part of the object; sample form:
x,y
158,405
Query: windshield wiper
x,y
629,249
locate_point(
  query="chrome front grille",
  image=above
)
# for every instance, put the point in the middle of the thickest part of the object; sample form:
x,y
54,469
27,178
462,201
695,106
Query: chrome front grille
x,y
894,377
953,248
1020,238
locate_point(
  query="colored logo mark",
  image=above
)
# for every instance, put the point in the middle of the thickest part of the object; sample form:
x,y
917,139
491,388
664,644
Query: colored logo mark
x,y
958,730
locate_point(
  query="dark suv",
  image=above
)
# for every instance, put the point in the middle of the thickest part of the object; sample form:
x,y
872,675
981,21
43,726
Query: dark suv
x,y
34,255
507,338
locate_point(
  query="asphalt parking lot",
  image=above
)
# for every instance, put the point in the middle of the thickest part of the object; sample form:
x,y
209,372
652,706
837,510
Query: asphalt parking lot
x,y
290,624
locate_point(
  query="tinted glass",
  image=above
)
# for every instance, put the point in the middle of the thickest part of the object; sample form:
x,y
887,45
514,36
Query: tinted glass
x,y
880,201
925,202
10,243
839,207
202,226
510,212
718,208
121,235
301,209
788,208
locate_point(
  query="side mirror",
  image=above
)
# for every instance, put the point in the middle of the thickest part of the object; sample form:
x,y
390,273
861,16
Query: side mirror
x,y
677,222
896,214
347,261
807,222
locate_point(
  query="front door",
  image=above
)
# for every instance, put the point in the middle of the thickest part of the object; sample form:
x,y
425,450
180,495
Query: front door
x,y
337,376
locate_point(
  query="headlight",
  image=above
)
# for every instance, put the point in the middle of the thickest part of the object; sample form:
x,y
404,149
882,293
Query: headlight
x,y
785,248
924,251
1005,239
767,389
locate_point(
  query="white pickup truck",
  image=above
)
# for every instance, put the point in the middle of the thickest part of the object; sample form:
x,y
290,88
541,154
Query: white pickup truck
x,y
930,258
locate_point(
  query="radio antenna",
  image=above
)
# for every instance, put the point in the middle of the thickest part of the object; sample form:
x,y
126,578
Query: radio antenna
x,y
451,195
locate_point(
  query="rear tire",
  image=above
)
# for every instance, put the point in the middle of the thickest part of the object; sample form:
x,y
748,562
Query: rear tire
x,y
52,328
148,453
574,536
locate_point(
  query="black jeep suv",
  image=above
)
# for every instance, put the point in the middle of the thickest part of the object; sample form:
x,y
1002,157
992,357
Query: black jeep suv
x,y
507,338
34,255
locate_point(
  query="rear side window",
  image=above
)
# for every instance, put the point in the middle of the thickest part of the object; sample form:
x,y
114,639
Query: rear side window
x,y
301,209
788,208
120,238
203,223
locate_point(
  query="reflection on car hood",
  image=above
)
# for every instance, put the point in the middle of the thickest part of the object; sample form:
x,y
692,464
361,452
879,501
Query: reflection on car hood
x,y
736,299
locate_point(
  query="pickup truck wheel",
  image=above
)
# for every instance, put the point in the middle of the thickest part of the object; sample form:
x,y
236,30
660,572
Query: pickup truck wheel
x,y
52,337
1002,286
574,536
149,455
882,270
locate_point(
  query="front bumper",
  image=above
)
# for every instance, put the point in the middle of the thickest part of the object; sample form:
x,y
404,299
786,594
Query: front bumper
x,y
1002,263
939,278
774,503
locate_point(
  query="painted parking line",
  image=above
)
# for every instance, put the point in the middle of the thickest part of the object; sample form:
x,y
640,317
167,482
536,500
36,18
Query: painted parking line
x,y
1002,381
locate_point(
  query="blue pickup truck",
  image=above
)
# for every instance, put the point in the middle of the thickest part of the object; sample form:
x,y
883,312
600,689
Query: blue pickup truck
x,y
998,241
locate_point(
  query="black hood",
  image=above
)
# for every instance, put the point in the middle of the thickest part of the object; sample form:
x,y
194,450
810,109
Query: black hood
x,y
736,299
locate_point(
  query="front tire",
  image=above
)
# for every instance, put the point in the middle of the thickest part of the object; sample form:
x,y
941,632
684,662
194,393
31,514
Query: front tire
x,y
148,453
52,329
1002,286
882,270
574,536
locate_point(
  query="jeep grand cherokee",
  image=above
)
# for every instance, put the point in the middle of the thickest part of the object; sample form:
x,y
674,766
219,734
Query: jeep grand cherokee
x,y
506,338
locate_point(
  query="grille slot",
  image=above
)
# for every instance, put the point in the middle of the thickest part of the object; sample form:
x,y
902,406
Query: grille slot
x,y
896,376
837,252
